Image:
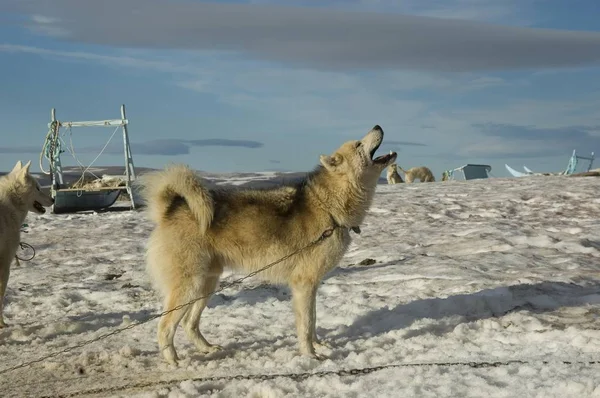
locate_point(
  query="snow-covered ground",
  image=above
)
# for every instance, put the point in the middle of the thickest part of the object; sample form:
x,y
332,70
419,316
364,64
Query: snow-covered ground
x,y
504,273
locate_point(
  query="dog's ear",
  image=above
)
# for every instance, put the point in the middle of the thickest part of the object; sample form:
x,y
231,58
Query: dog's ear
x,y
25,169
330,162
24,172
17,167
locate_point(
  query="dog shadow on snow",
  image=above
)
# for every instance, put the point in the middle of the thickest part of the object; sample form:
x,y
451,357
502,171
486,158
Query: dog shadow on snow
x,y
538,298
447,312
451,311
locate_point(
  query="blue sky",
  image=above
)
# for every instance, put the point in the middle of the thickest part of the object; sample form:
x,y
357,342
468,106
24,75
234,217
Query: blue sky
x,y
253,86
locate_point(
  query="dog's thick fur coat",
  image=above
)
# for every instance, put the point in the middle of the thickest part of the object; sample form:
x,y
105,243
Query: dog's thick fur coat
x,y
19,194
199,231
423,173
393,177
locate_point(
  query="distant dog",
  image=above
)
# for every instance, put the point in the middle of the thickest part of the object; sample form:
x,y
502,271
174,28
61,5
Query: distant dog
x,y
392,174
422,173
199,231
19,194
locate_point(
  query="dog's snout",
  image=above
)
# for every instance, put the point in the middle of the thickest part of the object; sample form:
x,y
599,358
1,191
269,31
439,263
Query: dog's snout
x,y
377,128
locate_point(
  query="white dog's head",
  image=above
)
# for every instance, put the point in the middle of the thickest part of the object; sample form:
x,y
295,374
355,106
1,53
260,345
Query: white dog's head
x,y
27,190
350,177
355,159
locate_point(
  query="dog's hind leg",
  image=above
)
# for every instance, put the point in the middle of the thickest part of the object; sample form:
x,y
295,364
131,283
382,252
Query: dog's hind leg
x,y
303,295
191,319
168,323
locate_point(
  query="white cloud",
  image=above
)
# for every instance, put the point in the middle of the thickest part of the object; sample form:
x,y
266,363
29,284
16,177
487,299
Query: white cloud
x,y
112,60
505,140
47,26
336,102
42,19
303,97
541,113
514,11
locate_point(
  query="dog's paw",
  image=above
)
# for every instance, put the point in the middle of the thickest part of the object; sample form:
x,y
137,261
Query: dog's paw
x,y
321,345
319,357
209,349
170,355
314,355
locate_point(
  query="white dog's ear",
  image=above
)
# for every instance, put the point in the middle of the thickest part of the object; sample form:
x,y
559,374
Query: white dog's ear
x,y
25,169
330,162
17,167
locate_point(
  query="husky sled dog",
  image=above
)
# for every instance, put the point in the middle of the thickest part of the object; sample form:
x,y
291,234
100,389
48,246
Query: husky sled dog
x,y
199,231
393,177
422,173
19,194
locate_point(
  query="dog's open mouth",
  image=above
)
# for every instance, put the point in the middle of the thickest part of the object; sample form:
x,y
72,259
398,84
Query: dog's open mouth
x,y
38,206
373,141
384,159
372,153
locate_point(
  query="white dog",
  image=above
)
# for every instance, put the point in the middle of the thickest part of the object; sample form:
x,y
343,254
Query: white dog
x,y
19,194
200,231
393,177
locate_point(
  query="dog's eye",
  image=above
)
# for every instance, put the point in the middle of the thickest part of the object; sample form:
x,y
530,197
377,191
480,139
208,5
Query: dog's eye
x,y
358,143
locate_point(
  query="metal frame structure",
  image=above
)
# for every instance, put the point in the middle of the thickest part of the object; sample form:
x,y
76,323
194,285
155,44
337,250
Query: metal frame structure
x,y
76,199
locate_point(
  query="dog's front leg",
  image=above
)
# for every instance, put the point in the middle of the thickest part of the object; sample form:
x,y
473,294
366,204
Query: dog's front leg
x,y
303,296
4,275
317,344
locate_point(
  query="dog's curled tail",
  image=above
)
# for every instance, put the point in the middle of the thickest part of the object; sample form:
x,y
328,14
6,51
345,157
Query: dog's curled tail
x,y
162,189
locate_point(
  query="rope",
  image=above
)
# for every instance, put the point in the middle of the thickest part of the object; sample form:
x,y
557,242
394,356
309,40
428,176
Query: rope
x,y
51,148
326,234
24,246
85,169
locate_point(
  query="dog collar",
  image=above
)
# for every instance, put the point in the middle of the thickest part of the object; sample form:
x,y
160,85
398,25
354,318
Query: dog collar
x,y
355,229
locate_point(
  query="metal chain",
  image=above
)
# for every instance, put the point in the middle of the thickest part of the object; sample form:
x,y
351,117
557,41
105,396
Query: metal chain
x,y
306,375
326,234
